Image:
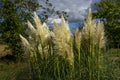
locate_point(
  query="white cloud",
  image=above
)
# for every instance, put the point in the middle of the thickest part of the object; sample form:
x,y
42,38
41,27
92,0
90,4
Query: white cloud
x,y
76,9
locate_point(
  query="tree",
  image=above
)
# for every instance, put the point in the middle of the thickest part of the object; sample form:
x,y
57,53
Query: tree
x,y
49,10
12,26
108,11
14,14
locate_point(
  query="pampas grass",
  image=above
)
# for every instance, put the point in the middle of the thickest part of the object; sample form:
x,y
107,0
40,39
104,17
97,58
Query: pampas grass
x,y
61,55
92,42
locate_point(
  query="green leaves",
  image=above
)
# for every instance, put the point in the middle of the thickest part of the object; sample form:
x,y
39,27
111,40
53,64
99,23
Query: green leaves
x,y
110,10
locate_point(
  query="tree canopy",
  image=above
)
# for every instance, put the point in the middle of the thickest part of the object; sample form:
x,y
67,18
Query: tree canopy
x,y
12,15
108,11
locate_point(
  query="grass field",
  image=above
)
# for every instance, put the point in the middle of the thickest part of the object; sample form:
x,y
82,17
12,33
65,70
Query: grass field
x,y
20,70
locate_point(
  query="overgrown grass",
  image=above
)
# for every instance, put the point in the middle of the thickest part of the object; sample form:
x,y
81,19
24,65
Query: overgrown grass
x,y
65,55
20,71
111,65
61,55
14,71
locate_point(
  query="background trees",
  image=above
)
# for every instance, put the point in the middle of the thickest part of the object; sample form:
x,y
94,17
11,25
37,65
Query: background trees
x,y
13,16
109,12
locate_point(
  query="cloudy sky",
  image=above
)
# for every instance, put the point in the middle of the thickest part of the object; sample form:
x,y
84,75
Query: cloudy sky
x,y
76,9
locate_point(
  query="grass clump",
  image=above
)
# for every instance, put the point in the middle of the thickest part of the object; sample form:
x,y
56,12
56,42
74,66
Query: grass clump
x,y
61,55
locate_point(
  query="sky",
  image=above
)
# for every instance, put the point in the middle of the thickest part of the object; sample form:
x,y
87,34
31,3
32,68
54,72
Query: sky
x,y
76,9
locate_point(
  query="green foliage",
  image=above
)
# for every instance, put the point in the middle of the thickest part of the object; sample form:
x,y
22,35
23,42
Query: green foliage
x,y
111,66
23,8
11,27
108,11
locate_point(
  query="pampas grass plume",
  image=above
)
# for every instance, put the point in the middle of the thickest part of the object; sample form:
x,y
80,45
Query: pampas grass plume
x,y
25,42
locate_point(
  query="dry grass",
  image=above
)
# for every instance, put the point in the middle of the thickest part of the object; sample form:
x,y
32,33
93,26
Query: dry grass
x,y
4,50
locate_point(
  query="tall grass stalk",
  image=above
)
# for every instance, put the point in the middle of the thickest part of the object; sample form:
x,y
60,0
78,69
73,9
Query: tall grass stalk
x,y
61,55
101,42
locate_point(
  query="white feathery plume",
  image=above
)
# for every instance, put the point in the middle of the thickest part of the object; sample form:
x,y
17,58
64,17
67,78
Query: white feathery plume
x,y
38,24
89,26
25,42
30,26
65,29
70,54
78,38
100,34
